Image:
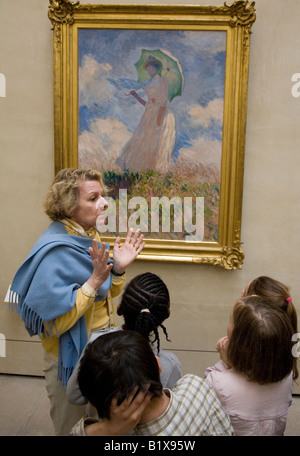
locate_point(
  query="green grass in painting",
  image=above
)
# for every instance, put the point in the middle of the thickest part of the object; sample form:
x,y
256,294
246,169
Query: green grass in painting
x,y
150,184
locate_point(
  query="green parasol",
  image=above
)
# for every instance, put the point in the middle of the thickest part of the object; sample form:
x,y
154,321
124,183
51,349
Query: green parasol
x,y
170,69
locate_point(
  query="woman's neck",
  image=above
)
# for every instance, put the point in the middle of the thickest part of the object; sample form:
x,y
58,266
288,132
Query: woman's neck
x,y
79,229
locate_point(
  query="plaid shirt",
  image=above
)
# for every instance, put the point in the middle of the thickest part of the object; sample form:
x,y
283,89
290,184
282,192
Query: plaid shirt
x,y
193,410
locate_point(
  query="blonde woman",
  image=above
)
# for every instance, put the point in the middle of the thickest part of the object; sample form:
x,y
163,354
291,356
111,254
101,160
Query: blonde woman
x,y
65,287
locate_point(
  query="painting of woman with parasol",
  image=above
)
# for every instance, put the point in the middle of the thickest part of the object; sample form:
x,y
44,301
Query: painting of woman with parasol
x,y
151,115
152,143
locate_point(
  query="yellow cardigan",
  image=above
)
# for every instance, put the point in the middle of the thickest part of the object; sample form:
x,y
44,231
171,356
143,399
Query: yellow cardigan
x,y
97,315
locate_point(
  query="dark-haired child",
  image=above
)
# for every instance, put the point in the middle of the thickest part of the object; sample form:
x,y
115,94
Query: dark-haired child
x,y
145,305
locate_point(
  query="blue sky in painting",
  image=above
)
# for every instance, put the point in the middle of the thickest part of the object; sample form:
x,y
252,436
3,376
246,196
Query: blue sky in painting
x,y
111,54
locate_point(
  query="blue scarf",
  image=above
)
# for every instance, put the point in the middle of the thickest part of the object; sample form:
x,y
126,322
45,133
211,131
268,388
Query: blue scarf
x,y
45,287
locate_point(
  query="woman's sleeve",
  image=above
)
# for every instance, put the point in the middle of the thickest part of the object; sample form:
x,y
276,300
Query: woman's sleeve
x,y
84,300
117,285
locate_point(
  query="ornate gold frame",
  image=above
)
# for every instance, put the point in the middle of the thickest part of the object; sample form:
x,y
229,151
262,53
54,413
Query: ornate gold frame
x,y
236,19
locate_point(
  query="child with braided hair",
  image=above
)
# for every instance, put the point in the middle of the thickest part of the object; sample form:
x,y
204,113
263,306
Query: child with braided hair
x,y
145,305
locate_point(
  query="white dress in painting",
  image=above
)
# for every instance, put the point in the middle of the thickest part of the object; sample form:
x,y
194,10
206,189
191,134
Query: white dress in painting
x,y
152,143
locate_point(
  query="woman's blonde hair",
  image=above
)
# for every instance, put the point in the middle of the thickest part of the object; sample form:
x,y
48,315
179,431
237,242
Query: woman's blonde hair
x,y
260,345
62,197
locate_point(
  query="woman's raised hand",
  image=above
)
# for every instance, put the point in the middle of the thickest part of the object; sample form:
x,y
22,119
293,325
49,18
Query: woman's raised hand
x,y
126,253
100,256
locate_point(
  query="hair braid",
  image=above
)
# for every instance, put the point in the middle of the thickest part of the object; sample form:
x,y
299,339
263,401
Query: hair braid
x,y
146,291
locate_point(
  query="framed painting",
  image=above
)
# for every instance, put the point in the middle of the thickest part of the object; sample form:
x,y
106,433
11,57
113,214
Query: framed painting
x,y
155,97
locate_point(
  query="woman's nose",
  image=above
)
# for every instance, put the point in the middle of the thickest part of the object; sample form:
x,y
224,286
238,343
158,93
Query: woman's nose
x,y
102,203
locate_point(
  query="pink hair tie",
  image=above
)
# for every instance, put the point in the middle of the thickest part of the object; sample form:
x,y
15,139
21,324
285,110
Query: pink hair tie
x,y
288,299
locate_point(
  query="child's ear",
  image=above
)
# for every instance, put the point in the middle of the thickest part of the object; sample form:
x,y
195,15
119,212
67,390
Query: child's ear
x,y
159,364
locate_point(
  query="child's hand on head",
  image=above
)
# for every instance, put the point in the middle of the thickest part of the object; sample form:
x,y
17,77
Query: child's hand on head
x,y
222,349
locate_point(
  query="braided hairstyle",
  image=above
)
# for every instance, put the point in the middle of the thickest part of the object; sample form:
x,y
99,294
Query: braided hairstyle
x,y
145,304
